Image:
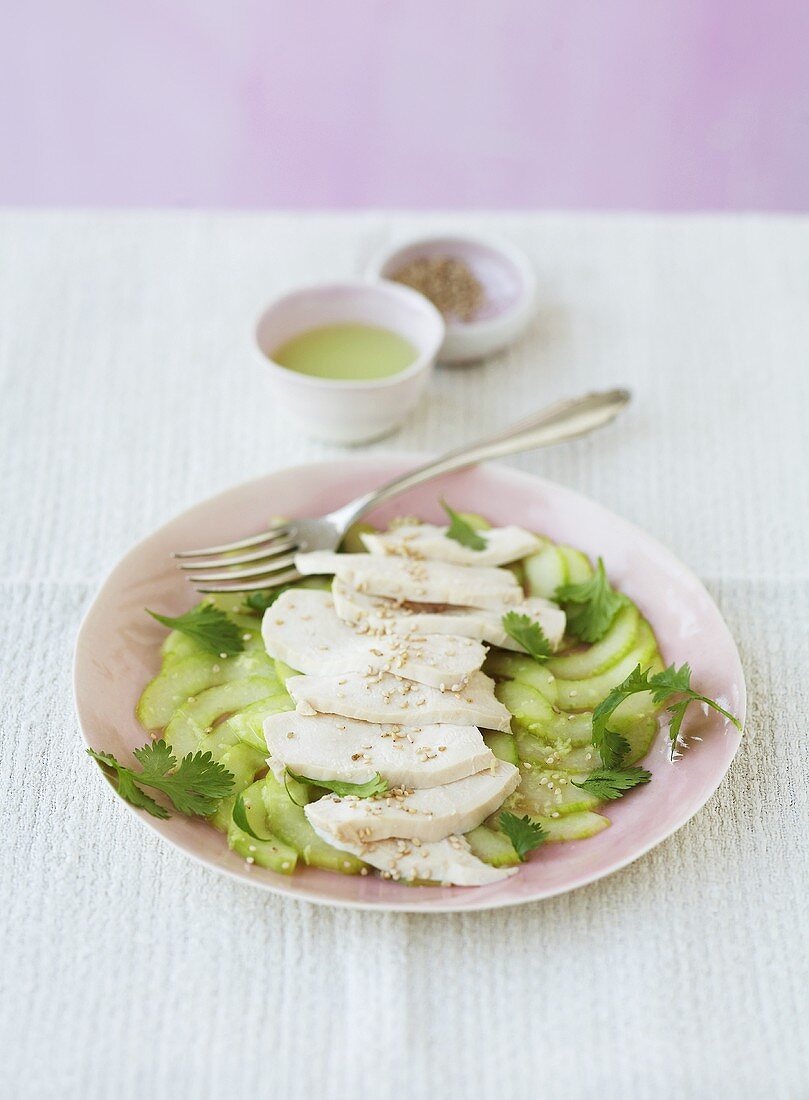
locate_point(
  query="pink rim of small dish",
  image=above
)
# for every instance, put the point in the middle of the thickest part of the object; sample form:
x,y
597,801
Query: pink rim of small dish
x,y
117,651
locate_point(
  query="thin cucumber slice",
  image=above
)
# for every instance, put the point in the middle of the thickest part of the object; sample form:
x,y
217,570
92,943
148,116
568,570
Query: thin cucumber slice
x,y
284,671
545,571
532,710
576,826
248,724
178,646
502,745
615,644
575,728
271,853
230,604
182,681
546,792
244,763
288,821
492,847
578,565
516,666
319,583
352,541
640,736
587,693
193,721
557,756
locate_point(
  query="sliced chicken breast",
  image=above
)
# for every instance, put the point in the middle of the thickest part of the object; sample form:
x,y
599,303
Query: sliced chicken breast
x,y
325,746
423,581
424,541
386,698
427,814
303,629
486,625
449,862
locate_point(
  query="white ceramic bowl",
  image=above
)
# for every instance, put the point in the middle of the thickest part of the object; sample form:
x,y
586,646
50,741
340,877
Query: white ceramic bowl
x,y
508,280
345,411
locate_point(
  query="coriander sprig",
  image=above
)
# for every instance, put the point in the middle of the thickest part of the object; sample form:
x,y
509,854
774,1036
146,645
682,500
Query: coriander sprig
x,y
209,626
462,532
529,634
591,605
525,835
611,783
194,787
664,686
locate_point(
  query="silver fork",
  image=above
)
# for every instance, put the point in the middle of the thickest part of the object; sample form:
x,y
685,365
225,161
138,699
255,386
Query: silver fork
x,y
267,560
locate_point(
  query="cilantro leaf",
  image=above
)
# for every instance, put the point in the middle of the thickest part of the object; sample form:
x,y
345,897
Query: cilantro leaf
x,y
525,834
207,625
240,818
376,785
664,686
195,787
612,782
591,605
260,601
529,634
461,531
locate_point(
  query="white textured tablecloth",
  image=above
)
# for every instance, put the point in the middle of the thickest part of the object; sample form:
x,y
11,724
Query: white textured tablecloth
x,y
129,390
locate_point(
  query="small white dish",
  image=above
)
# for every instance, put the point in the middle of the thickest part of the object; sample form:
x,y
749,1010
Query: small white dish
x,y
344,411
508,280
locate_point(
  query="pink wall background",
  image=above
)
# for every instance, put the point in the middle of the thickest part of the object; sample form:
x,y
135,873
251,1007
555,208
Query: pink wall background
x,y
686,104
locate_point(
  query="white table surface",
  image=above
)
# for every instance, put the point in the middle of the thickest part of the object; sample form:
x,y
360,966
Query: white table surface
x,y
129,389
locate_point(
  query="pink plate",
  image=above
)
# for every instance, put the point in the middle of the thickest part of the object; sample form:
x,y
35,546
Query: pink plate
x,y
117,651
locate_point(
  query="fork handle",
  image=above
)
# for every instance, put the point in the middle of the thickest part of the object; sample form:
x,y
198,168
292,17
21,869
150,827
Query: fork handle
x,y
564,420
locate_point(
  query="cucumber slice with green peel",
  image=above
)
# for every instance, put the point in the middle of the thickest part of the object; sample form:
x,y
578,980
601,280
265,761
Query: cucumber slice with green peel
x,y
283,671
517,568
227,602
492,846
545,792
516,666
585,694
578,565
529,708
248,725
502,745
193,721
545,571
575,826
321,584
640,735
352,542
287,821
177,646
576,727
272,852
597,658
558,756
244,763
182,681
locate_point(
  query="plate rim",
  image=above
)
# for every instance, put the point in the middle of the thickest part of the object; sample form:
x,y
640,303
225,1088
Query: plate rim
x,y
406,458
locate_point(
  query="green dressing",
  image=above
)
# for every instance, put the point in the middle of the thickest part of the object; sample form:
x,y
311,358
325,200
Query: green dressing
x,y
351,353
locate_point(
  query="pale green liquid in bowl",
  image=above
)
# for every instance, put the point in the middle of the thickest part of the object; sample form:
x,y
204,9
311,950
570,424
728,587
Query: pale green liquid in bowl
x,y
350,353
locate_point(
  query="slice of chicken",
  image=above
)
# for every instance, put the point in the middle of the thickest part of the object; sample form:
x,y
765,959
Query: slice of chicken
x,y
423,581
427,814
386,698
325,746
303,630
449,862
424,541
486,625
